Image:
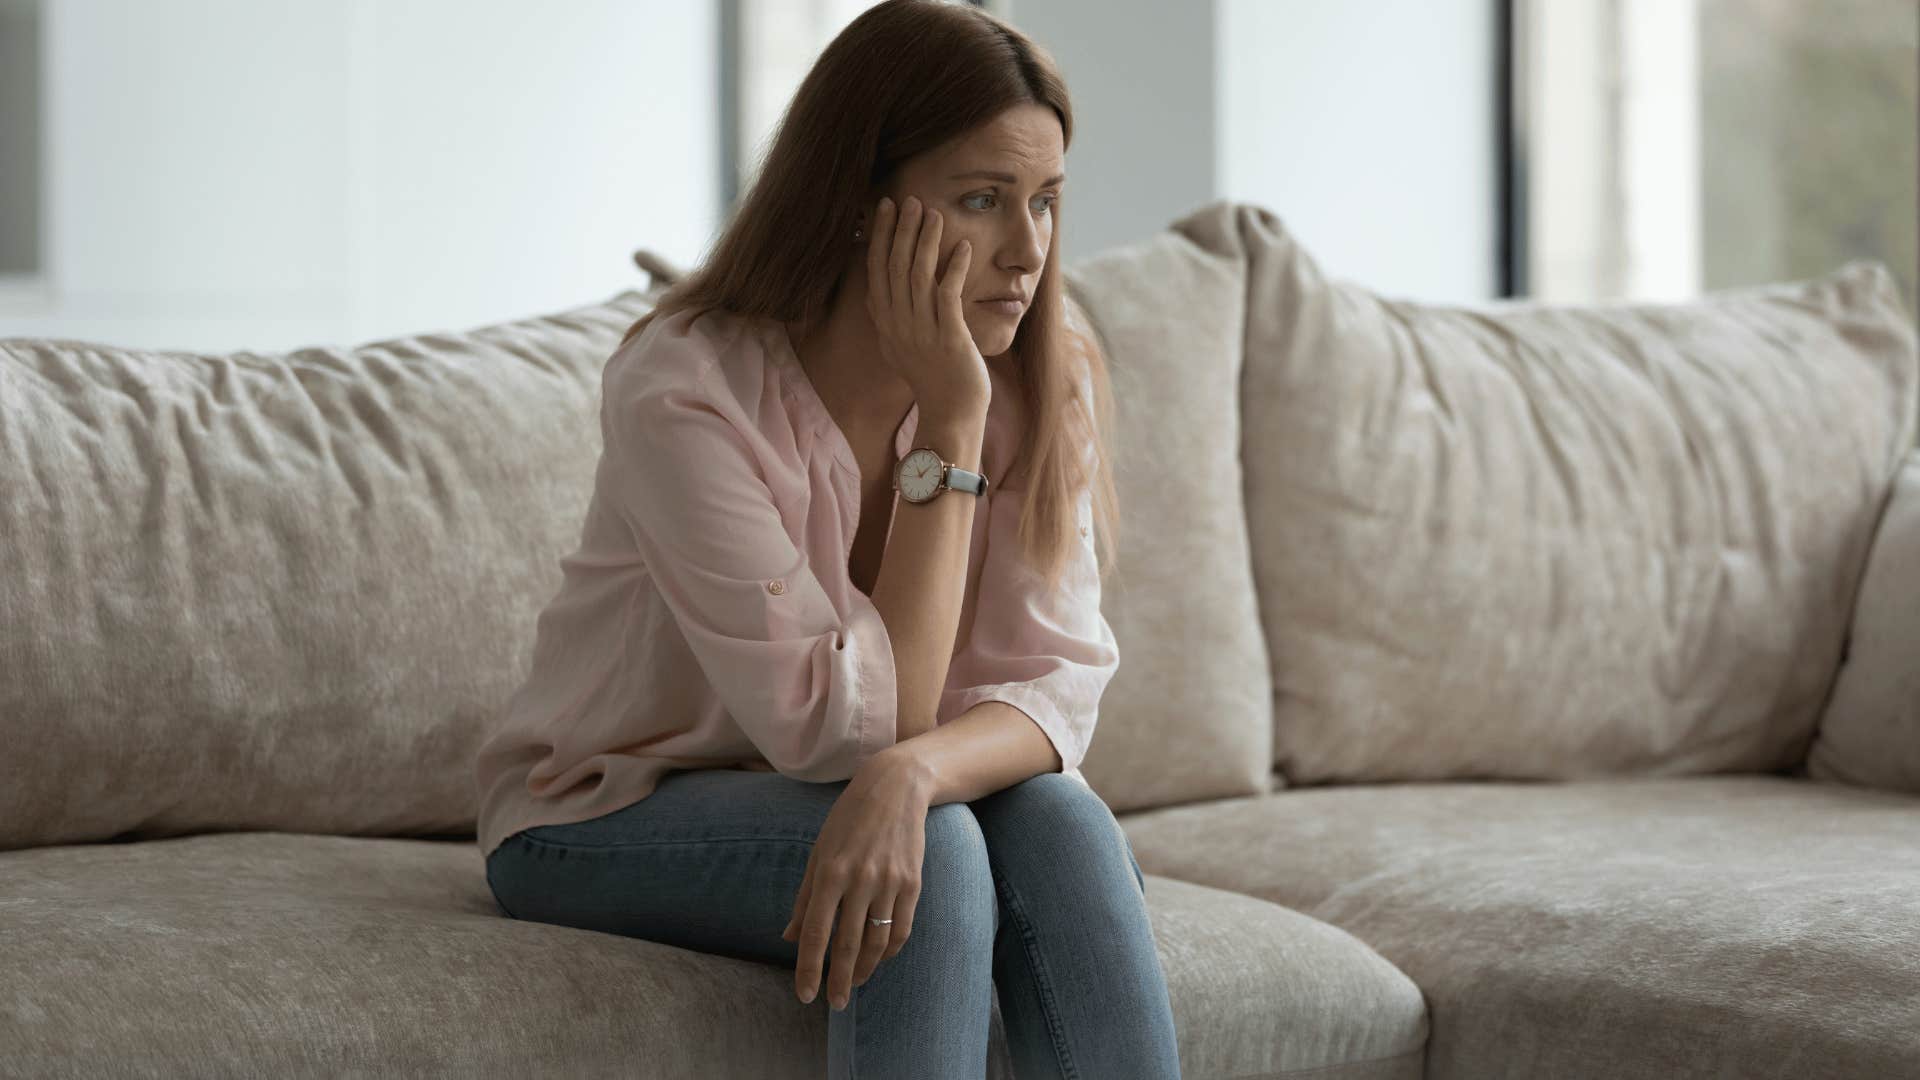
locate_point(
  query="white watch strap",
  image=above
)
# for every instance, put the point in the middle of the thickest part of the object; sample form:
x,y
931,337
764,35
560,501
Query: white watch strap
x,y
960,479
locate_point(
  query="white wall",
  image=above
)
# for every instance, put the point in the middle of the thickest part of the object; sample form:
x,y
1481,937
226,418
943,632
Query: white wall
x,y
225,174
1143,77
1369,129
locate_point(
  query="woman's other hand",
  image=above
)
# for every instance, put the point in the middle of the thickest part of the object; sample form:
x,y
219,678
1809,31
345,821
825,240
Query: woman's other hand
x,y
865,862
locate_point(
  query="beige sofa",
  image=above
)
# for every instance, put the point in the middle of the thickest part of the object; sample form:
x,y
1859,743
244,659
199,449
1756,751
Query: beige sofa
x,y
1507,691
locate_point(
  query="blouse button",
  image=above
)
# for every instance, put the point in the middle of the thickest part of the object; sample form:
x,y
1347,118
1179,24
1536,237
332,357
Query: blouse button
x,y
776,586
1083,530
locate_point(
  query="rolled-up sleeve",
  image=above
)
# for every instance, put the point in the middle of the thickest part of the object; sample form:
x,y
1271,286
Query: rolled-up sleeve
x,y
1049,654
811,687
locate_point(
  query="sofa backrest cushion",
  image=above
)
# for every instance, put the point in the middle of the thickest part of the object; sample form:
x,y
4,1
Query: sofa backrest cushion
x,y
280,591
1530,540
1188,715
1870,732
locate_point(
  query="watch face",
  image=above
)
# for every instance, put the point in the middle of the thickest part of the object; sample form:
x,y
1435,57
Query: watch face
x,y
919,475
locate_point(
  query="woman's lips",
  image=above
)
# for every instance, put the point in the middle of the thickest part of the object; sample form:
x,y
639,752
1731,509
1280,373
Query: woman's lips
x,y
1004,307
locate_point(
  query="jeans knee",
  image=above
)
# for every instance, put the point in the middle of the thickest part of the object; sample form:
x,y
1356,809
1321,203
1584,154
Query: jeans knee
x,y
956,880
1054,818
1054,797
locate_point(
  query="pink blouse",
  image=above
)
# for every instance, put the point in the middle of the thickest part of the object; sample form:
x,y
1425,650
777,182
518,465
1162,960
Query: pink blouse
x,y
707,618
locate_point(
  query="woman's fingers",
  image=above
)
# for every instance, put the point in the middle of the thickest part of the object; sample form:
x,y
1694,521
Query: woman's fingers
x,y
837,894
905,902
950,313
925,259
847,942
876,939
903,925
816,929
878,247
812,934
900,262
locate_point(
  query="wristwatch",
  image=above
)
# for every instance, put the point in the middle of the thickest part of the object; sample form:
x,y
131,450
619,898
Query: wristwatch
x,y
920,475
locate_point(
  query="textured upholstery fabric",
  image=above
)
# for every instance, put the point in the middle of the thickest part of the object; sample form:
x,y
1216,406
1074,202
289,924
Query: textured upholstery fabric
x,y
1189,714
280,591
1870,732
272,954
1527,540
1750,926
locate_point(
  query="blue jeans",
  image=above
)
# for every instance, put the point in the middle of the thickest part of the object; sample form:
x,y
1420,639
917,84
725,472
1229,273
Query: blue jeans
x,y
1024,890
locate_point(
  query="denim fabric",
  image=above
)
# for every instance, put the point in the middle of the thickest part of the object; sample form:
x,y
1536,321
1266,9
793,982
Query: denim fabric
x,y
1025,890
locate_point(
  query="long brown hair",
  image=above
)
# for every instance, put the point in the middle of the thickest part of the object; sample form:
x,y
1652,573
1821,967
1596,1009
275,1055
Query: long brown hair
x,y
902,78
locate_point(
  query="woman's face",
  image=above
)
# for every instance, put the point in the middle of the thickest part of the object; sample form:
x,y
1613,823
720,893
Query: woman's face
x,y
1006,218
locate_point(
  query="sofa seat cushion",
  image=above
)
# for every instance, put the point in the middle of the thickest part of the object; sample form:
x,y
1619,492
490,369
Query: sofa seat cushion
x,y
1729,925
289,955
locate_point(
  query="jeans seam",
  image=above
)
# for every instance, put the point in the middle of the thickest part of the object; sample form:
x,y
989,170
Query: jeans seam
x,y
565,845
618,844
853,1034
496,893
1030,945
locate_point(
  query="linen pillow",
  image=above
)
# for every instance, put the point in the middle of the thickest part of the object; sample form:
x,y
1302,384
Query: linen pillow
x,y
1529,540
280,591
1870,732
1188,714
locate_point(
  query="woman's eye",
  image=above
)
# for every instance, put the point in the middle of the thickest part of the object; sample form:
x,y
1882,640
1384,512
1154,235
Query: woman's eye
x,y
989,195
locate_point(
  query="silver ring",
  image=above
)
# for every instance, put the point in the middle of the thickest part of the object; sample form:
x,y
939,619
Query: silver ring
x,y
878,922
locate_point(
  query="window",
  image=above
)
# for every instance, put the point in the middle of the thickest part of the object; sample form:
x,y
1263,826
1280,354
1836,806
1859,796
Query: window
x,y
1661,148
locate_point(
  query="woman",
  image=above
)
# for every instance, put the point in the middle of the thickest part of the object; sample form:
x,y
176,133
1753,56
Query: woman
x,y
817,683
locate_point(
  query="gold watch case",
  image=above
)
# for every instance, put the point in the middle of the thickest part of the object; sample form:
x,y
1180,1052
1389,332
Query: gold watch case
x,y
920,475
